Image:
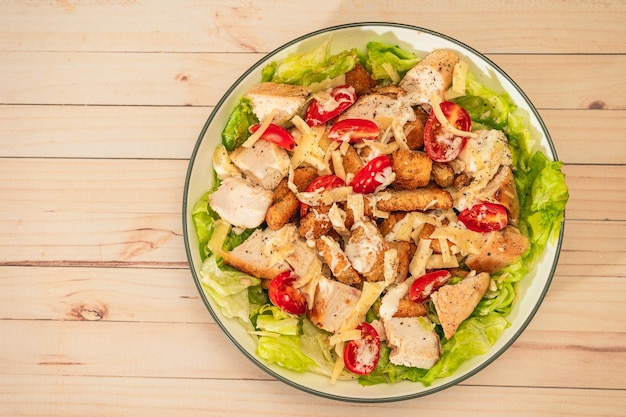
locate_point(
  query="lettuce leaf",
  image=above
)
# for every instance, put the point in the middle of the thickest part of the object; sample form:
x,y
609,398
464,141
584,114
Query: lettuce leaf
x,y
228,287
236,130
285,351
314,66
269,318
379,53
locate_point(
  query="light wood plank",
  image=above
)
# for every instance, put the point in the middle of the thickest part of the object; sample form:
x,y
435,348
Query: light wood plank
x,y
201,79
127,212
169,350
76,396
171,132
193,26
170,296
108,294
596,192
100,131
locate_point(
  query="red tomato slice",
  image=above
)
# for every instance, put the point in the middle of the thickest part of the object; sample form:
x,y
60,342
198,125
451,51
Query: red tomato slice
x,y
277,135
361,355
285,296
484,217
373,174
439,144
424,286
316,114
323,182
353,130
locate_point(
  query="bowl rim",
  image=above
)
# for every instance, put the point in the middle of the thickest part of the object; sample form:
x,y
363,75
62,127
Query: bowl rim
x,y
188,226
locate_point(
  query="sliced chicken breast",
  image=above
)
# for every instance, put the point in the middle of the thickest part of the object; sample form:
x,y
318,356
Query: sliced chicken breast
x,y
380,108
499,249
284,99
413,342
333,304
264,163
432,75
241,203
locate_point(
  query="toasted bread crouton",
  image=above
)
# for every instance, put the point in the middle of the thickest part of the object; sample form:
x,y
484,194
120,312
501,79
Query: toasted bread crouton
x,y
316,223
405,251
366,250
442,174
284,99
282,211
249,257
414,130
422,199
407,308
337,261
302,177
333,304
462,180
455,303
499,249
352,162
361,79
412,169
432,75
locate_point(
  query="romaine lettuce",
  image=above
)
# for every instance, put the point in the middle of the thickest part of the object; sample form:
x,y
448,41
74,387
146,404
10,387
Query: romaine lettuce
x,y
310,67
379,53
236,130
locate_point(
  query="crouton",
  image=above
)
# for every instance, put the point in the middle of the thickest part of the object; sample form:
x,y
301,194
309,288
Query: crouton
x,y
387,225
359,78
352,162
414,130
407,308
316,223
412,169
455,303
498,250
366,250
405,251
427,198
442,174
337,261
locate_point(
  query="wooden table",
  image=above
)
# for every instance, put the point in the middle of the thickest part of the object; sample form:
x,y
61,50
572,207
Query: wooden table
x,y
101,103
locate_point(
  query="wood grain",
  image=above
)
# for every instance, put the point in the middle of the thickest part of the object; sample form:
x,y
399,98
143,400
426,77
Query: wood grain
x,y
101,104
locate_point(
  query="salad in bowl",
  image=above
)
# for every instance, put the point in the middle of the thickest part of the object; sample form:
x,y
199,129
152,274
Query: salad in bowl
x,y
367,210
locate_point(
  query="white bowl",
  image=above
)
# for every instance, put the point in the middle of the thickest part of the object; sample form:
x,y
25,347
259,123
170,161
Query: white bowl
x,y
532,288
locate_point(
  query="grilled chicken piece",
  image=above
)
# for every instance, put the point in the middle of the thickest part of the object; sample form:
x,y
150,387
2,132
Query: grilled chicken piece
x,y
333,304
455,303
502,189
432,75
381,109
252,258
241,203
411,341
337,261
264,163
285,99
498,250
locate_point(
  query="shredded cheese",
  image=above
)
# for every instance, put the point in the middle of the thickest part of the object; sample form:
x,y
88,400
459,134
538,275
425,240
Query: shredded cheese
x,y
465,240
391,72
435,101
257,135
398,134
417,267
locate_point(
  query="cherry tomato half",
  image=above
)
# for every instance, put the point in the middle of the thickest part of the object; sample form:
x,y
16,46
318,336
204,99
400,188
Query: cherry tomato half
x,y
322,183
424,286
353,130
316,114
439,144
277,135
285,296
373,174
484,217
361,355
